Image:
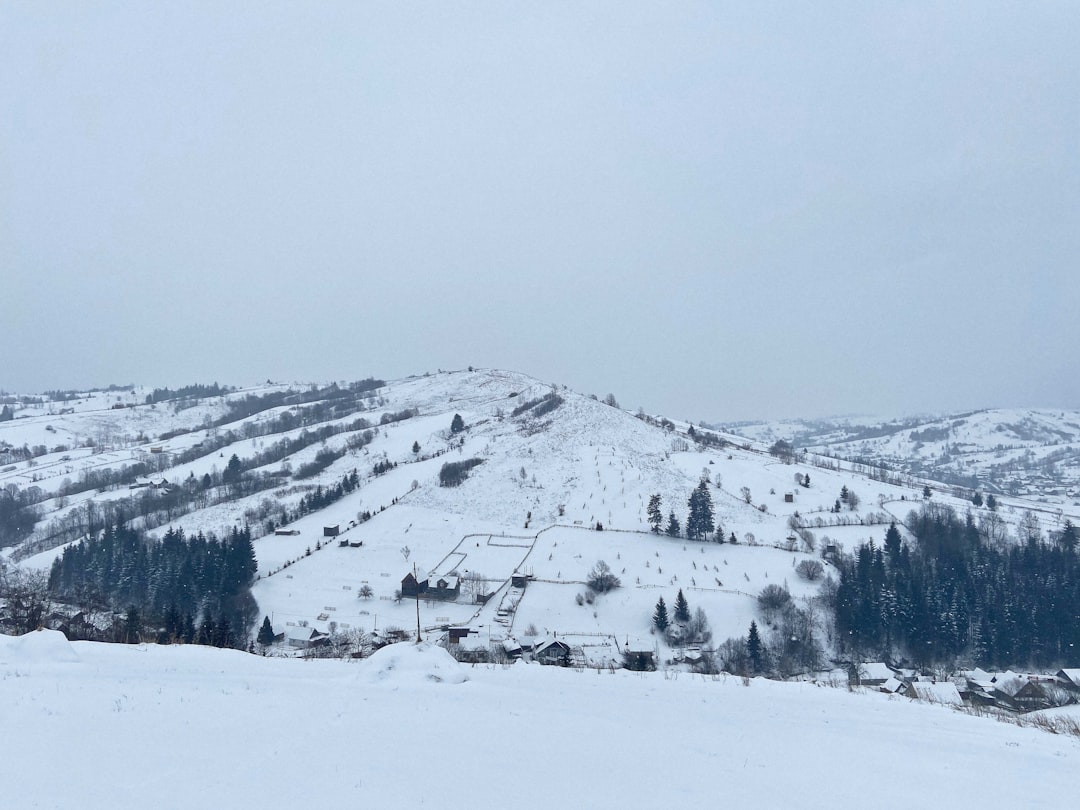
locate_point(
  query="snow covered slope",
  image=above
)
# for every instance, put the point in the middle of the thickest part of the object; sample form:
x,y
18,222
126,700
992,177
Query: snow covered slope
x,y
552,466
98,726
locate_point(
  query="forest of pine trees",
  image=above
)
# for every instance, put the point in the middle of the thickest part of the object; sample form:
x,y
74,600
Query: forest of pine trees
x,y
955,596
195,589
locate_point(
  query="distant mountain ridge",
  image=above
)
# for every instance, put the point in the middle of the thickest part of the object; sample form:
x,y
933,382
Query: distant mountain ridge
x,y
1016,451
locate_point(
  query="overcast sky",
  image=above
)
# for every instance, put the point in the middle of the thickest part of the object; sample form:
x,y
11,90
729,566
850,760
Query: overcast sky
x,y
713,211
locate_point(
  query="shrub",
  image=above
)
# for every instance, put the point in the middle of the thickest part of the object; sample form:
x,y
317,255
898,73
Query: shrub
x,y
454,473
601,579
810,570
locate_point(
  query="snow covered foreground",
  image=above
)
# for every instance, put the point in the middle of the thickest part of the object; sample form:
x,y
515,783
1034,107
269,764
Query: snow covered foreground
x,y
91,725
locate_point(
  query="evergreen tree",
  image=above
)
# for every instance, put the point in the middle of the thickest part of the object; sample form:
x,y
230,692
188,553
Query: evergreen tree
x,y
206,633
682,609
132,625
457,424
755,650
673,527
266,633
699,521
806,481
892,542
231,475
991,502
977,499
416,447
1068,538
660,617
656,517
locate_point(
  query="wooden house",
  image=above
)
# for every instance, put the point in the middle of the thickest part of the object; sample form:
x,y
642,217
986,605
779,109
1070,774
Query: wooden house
x,y
444,588
936,692
331,531
1020,692
873,673
552,652
1069,678
304,638
411,588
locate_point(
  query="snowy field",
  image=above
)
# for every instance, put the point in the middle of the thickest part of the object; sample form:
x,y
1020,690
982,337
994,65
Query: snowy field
x,y
94,726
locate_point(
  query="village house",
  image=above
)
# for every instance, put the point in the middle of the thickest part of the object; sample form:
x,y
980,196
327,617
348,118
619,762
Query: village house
x,y
305,638
1069,679
445,588
931,691
552,652
874,673
411,588
1020,692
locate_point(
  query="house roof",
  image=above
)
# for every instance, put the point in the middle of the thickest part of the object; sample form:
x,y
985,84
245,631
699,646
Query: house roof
x,y
875,671
549,644
1072,675
893,685
940,692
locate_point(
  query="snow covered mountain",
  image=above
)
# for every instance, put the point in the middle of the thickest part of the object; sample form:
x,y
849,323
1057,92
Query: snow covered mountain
x,y
551,483
1021,452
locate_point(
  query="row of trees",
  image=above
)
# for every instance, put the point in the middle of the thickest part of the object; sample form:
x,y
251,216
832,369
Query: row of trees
x,y
700,520
963,593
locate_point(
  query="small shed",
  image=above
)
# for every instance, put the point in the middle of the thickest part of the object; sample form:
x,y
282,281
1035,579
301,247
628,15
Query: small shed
x,y
331,531
519,580
286,532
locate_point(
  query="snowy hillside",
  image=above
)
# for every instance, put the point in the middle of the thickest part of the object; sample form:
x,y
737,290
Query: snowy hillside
x,y
191,726
559,483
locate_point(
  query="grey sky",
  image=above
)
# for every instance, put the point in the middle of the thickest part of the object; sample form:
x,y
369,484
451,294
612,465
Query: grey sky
x,y
715,211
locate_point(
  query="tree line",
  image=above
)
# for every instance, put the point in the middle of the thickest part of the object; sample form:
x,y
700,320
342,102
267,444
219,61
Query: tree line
x,y
174,585
963,593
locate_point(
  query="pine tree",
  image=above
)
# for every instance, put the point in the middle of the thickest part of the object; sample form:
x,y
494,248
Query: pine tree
x,y
660,617
682,609
673,527
755,649
892,542
415,447
656,517
699,522
132,625
991,502
266,633
977,499
457,424
1069,536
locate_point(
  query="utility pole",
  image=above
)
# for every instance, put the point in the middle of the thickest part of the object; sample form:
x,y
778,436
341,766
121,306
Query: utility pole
x,y
405,552
415,577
